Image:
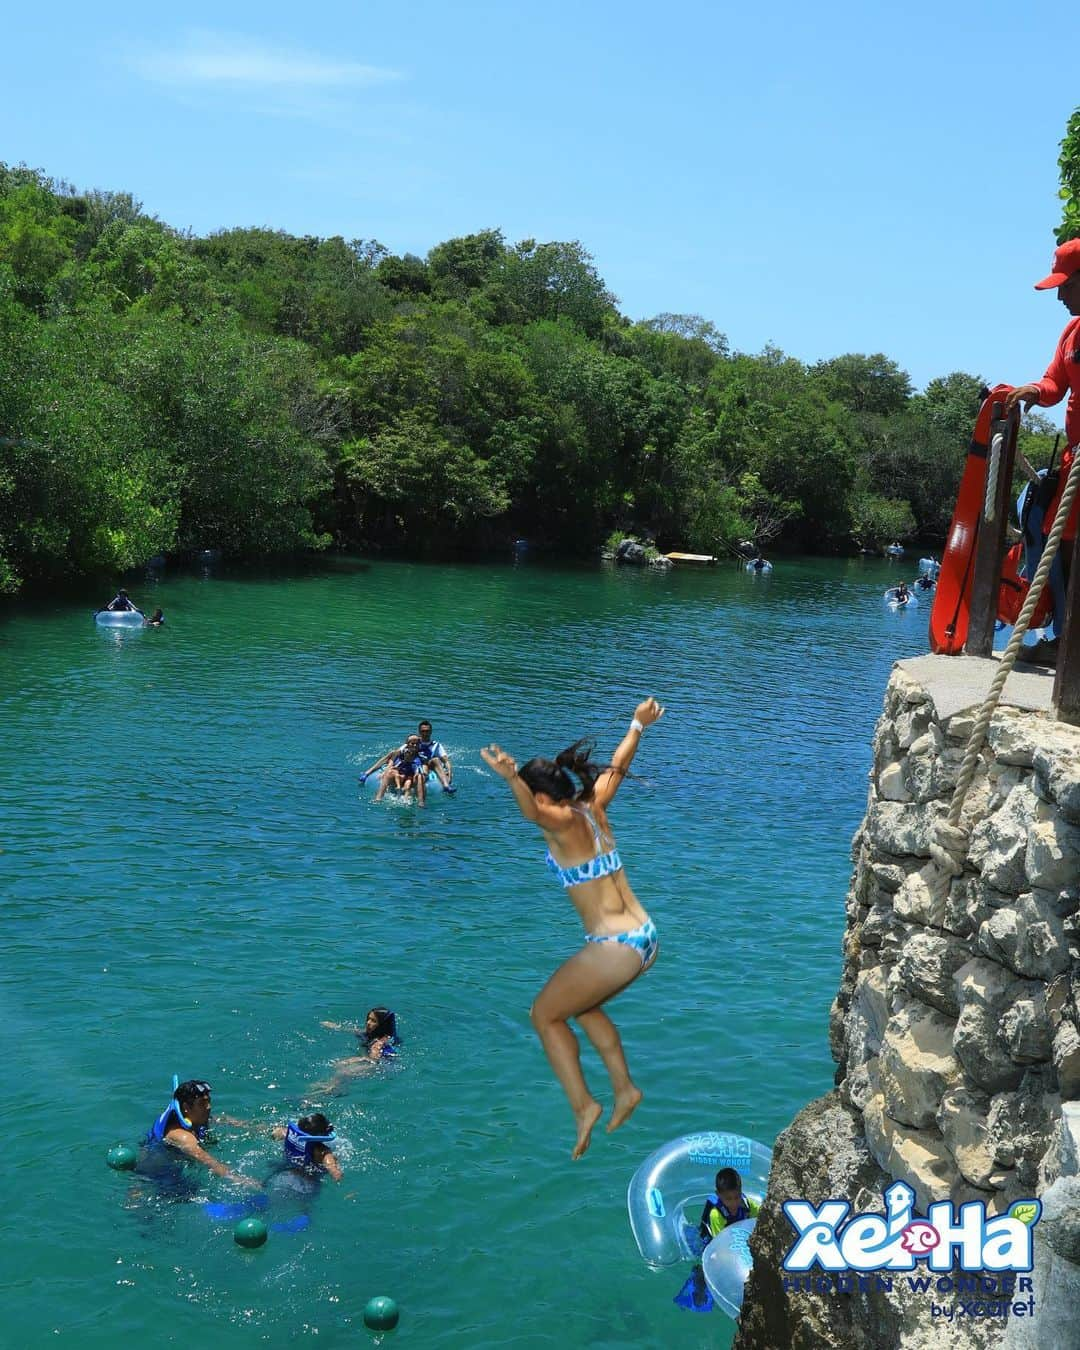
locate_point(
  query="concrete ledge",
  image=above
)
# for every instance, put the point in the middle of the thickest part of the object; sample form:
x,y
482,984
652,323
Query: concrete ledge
x,y
956,683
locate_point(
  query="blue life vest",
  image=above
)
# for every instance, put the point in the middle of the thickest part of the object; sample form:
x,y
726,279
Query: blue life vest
x,y
298,1146
172,1114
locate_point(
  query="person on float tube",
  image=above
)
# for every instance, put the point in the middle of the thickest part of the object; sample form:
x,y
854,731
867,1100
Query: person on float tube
x,y
1062,376
183,1127
306,1144
726,1205
122,602
405,772
433,757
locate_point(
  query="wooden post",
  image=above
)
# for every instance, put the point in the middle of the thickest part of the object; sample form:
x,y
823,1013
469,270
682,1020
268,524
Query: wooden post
x,y
1065,700
990,546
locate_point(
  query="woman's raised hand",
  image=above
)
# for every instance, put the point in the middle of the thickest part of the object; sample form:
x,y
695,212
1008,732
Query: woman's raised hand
x,y
648,711
503,764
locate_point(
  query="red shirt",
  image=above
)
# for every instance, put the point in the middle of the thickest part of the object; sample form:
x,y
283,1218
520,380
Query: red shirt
x,y
1063,376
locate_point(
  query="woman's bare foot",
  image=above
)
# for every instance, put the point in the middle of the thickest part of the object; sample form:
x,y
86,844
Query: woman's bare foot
x,y
586,1118
625,1105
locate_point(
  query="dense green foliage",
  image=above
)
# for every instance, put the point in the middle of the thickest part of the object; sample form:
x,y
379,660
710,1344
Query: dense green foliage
x,y
1069,164
260,393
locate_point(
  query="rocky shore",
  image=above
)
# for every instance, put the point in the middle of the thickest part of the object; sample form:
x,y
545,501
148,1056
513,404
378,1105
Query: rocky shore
x,y
956,1036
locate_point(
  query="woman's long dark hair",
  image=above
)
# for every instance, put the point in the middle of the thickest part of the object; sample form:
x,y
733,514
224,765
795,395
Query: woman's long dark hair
x,y
552,776
387,1026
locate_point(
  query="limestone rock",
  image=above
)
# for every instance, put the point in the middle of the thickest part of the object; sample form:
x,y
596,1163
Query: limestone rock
x,y
911,722
999,843
1057,1297
1057,768
1059,1226
928,772
1021,1126
902,828
1013,736
959,726
962,1120
1028,937
969,904
889,876
891,784
919,1156
917,1064
866,1017
926,966
1052,860
986,991
1025,1028
916,900
1066,1055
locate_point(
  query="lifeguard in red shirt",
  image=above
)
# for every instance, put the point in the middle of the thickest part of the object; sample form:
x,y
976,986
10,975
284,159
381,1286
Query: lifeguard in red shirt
x,y
1062,377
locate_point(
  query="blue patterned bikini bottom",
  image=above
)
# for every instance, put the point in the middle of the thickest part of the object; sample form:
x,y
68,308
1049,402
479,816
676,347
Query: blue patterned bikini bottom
x,y
644,940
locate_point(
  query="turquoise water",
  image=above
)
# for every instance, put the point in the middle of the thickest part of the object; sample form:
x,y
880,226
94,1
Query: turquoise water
x,y
192,881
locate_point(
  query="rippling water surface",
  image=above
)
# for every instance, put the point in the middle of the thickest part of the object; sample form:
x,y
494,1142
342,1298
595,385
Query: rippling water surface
x,y
192,881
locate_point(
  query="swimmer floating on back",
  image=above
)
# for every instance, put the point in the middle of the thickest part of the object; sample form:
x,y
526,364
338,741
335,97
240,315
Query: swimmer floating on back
x,y
379,1040
620,938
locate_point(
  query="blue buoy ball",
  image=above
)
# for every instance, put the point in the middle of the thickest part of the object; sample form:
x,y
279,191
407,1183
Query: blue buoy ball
x,y
381,1313
121,1157
250,1233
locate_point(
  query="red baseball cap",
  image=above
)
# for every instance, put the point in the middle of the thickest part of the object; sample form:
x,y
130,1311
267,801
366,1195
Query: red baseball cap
x,y
1066,262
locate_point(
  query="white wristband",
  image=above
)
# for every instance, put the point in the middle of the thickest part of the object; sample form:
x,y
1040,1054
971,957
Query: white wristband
x,y
637,726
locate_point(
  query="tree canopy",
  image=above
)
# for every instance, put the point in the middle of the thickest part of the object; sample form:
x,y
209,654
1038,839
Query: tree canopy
x,y
261,393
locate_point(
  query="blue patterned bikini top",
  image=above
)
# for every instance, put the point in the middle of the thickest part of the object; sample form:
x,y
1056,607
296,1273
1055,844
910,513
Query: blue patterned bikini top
x,y
601,865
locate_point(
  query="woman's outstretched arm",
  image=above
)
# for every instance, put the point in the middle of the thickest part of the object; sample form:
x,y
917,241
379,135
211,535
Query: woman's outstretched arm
x,y
646,713
547,817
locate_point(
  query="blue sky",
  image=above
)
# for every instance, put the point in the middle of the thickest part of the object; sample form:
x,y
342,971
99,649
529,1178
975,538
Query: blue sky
x,y
828,178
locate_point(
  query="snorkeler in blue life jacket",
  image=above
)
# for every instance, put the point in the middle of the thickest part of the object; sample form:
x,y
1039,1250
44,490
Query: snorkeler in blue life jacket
x,y
307,1148
726,1205
182,1127
405,772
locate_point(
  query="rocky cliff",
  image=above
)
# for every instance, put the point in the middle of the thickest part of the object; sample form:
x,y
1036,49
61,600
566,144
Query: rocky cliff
x,y
956,1035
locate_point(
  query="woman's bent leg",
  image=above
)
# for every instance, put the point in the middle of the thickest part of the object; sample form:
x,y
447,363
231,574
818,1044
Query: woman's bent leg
x,y
579,986
604,1034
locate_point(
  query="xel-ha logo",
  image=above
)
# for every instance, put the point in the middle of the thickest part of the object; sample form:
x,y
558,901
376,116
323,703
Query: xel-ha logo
x,y
898,1239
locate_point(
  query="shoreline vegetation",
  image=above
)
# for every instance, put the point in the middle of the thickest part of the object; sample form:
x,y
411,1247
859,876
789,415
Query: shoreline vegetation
x,y
262,395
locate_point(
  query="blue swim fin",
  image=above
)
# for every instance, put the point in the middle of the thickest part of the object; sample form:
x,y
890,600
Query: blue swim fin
x,y
694,1296
229,1211
294,1225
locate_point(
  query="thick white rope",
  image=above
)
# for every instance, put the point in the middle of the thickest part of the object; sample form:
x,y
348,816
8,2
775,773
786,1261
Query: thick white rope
x,y
948,847
989,503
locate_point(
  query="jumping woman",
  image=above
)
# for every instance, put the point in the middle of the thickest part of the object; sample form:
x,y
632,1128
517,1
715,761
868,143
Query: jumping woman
x,y
620,938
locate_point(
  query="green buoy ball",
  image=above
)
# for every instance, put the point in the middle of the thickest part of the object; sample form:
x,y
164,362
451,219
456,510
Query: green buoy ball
x,y
121,1157
250,1233
381,1313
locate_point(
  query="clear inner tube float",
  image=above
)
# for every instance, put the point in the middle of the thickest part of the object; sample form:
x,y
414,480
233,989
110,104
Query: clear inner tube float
x,y
761,568
668,1192
893,598
119,618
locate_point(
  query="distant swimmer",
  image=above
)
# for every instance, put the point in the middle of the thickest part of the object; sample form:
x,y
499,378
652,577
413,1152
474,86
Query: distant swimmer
x,y
620,938
155,620
379,1041
182,1130
122,602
